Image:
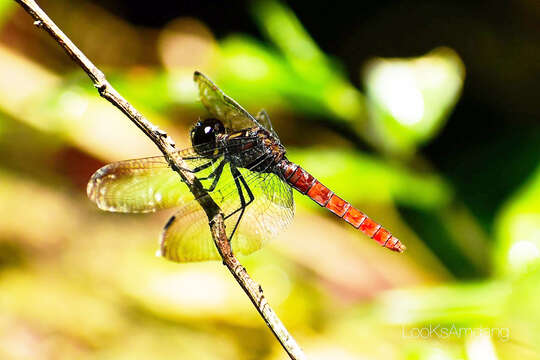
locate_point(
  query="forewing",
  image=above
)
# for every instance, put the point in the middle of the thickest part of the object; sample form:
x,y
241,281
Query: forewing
x,y
223,107
187,236
141,185
149,184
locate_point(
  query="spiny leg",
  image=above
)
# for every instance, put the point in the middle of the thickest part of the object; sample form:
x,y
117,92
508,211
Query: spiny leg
x,y
216,174
240,192
238,177
204,166
199,168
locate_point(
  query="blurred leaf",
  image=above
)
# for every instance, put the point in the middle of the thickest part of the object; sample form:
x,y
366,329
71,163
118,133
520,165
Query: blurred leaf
x,y
522,314
409,99
518,230
315,80
448,235
263,78
285,30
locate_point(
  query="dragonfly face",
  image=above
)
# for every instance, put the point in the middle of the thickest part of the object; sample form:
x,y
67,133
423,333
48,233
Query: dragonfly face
x,y
204,136
242,165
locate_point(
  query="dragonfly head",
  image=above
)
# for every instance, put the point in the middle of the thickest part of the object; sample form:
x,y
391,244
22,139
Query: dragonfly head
x,y
204,135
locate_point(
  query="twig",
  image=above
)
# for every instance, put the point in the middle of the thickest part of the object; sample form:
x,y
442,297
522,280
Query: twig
x,y
167,146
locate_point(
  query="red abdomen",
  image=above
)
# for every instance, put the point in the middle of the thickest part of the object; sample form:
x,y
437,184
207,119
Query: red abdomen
x,y
302,181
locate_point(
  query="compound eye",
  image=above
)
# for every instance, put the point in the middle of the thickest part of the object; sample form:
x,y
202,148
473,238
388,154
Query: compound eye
x,y
206,131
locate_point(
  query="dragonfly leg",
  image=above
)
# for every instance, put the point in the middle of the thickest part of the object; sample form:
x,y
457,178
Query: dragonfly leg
x,y
199,168
203,166
216,175
238,177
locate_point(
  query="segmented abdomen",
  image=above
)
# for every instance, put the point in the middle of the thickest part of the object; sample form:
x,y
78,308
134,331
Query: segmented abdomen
x,y
304,182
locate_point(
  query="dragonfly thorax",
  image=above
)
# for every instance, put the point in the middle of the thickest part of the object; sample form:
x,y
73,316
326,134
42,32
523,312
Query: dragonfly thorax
x,y
255,149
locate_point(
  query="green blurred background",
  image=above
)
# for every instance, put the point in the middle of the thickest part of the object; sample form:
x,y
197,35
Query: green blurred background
x,y
423,114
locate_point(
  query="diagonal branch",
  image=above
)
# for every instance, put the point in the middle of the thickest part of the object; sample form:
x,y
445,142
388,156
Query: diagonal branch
x,y
167,146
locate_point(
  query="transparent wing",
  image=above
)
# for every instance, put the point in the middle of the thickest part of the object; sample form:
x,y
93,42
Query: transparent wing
x,y
186,237
145,185
223,107
270,213
137,186
149,184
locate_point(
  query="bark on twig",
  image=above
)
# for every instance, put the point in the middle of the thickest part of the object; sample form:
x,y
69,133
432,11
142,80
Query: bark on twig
x,y
167,146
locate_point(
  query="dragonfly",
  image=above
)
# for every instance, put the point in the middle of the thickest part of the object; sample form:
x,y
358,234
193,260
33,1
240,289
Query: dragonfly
x,y
242,165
